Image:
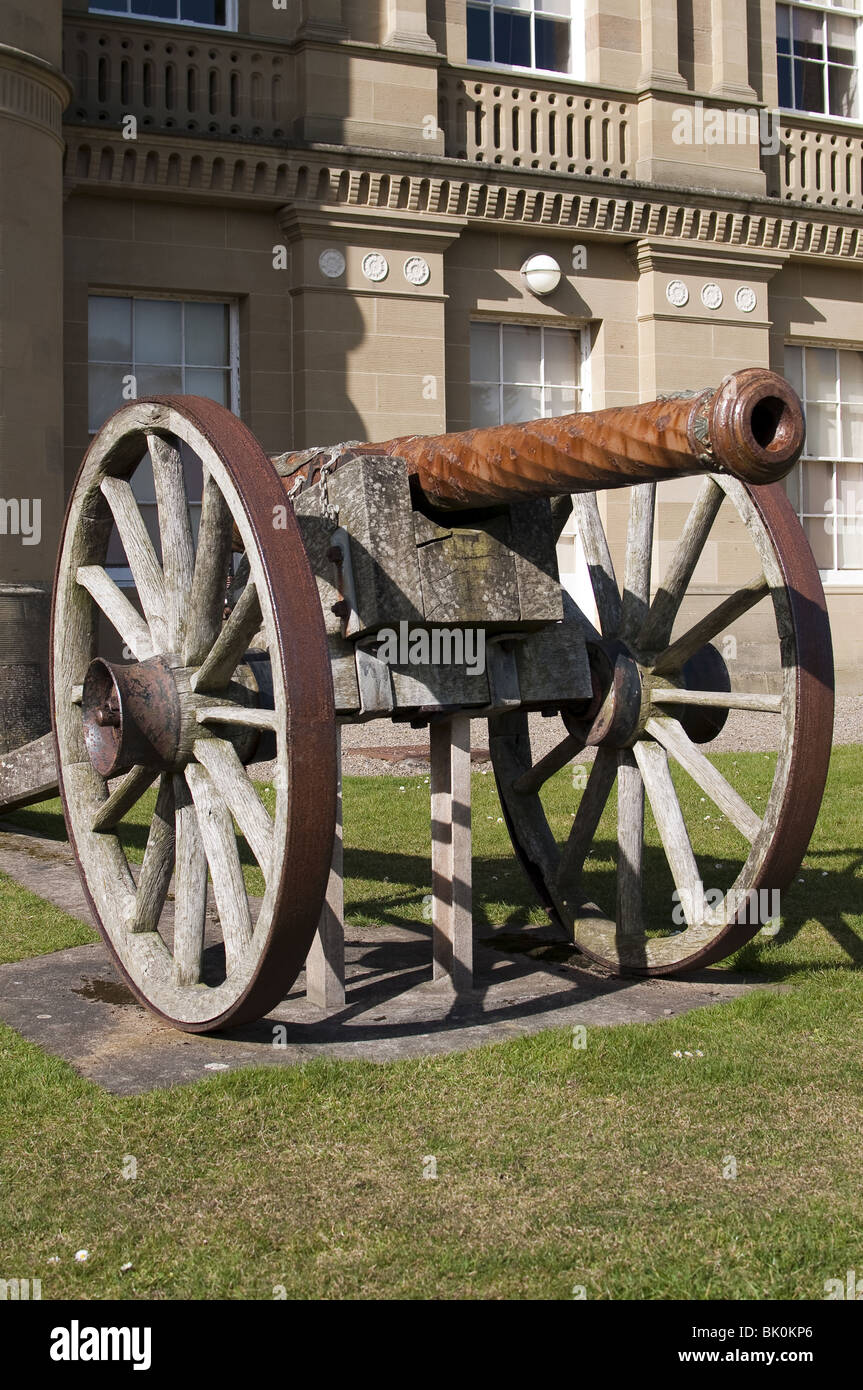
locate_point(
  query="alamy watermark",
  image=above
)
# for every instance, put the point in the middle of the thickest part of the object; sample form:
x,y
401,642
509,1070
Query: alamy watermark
x,y
21,516
745,905
739,125
433,646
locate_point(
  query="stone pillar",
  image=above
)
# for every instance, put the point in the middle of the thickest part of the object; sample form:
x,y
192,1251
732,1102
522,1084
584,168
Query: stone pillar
x,y
33,94
407,26
730,36
659,50
368,321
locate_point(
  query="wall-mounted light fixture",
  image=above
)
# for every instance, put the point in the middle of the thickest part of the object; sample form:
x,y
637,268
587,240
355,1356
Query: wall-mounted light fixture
x,y
541,274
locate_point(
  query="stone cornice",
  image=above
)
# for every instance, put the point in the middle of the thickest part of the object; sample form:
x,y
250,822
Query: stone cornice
x,y
333,180
33,91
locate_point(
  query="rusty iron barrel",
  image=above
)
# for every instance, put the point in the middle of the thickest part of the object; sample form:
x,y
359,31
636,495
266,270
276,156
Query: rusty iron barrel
x,y
750,426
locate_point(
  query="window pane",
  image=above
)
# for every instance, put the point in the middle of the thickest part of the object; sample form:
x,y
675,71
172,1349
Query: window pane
x,y
203,381
818,489
478,35
555,6
820,542
110,330
786,91
158,381
160,9
206,335
841,40
850,546
521,349
561,400
808,34
512,39
820,374
484,406
822,433
809,86
560,364
157,9
203,11
521,403
484,352
551,43
105,391
792,486
157,331
142,480
849,482
842,91
794,368
852,431
851,368
783,28
119,6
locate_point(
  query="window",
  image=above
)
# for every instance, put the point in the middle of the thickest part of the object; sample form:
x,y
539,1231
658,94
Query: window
x,y
521,34
818,57
520,372
158,347
826,486
216,14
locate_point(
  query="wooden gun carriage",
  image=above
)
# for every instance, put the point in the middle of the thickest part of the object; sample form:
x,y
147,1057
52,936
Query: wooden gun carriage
x,y
296,609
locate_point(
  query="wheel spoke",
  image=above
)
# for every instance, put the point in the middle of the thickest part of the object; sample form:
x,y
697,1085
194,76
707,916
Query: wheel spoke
x,y
587,818
158,862
231,779
175,528
231,644
245,715
123,798
538,775
711,625
220,847
719,699
598,556
639,544
207,604
146,571
653,765
190,888
630,841
669,733
656,631
123,617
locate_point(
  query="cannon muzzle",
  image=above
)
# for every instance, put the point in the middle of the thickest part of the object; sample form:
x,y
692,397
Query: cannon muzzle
x,y
751,427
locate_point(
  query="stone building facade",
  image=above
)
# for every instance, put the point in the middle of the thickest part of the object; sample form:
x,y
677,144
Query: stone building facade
x,y
319,211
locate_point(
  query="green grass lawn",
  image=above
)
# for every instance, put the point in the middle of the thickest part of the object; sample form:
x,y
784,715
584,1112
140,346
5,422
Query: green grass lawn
x,y
556,1167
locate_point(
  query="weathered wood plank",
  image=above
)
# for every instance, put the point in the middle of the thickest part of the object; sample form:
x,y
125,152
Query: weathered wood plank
x,y
220,847
673,738
123,798
231,644
325,963
711,625
175,527
121,614
28,774
231,779
209,585
452,907
146,570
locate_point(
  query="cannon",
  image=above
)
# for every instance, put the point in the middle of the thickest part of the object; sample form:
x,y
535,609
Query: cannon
x,y
342,584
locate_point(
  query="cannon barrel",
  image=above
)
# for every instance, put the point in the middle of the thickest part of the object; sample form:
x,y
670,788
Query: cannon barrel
x,y
751,426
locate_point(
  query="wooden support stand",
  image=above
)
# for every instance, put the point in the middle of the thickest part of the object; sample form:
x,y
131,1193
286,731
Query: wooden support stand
x,y
452,906
325,963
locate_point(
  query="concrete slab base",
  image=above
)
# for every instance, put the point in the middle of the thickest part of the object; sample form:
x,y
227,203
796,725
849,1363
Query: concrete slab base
x,y
73,1004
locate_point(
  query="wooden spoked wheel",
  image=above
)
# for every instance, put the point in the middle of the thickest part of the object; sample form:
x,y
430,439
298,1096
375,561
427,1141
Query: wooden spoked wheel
x,y
658,696
185,714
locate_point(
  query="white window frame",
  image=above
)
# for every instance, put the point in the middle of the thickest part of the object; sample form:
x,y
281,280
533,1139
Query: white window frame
x,y
579,331
833,578
576,42
827,9
121,574
229,26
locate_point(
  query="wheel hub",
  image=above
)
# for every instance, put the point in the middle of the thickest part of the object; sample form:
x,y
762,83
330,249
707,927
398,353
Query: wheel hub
x,y
132,715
